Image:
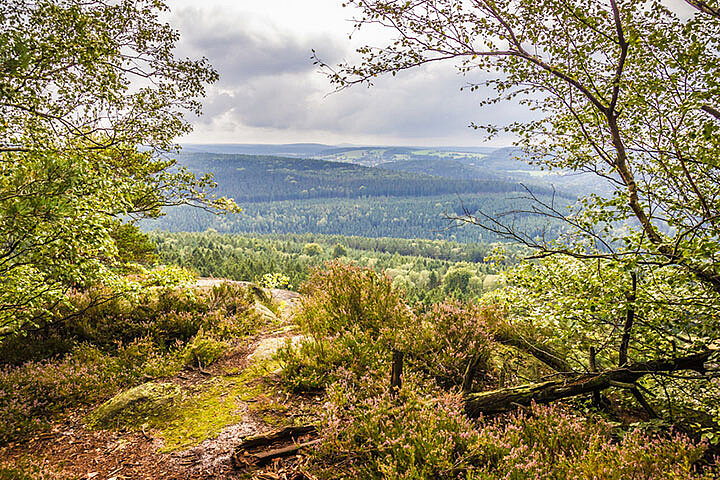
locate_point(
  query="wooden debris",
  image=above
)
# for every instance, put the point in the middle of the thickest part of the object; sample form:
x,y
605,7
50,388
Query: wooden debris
x,y
262,449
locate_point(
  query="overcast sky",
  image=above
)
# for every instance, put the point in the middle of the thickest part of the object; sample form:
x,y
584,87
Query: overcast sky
x,y
270,92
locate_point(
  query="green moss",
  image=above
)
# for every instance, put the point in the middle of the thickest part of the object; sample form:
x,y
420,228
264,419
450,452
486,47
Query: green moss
x,y
135,407
207,413
187,419
215,405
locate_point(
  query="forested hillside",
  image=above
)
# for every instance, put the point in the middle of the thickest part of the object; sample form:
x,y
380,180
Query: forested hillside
x,y
253,178
505,164
293,195
402,217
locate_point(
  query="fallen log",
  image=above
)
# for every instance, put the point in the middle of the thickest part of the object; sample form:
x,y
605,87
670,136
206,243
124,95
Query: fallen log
x,y
263,458
262,449
507,399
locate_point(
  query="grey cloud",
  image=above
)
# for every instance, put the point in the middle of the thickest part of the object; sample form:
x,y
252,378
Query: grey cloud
x,y
423,104
240,53
269,83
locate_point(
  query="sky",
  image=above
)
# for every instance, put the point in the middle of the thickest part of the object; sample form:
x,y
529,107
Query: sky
x,y
270,92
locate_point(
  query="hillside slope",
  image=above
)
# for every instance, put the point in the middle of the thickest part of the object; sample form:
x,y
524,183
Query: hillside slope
x,y
257,178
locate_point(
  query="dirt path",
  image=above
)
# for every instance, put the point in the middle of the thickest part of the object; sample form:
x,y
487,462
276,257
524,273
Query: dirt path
x,y
71,451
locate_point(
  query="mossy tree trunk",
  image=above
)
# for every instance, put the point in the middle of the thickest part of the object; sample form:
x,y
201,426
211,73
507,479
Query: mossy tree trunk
x,y
507,399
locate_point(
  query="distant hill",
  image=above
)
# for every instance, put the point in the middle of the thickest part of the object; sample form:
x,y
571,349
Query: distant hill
x,y
460,163
258,178
377,156
305,150
443,167
412,197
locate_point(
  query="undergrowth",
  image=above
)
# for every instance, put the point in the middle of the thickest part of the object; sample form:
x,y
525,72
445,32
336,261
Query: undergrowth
x,y
354,319
113,345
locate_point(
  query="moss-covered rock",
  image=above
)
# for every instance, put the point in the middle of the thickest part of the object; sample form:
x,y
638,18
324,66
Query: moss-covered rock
x,y
134,407
264,312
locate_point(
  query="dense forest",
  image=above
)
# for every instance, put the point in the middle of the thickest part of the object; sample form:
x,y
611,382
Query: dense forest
x,y
254,178
403,217
425,269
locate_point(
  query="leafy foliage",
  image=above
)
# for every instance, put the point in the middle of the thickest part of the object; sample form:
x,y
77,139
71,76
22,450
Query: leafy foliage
x,y
76,107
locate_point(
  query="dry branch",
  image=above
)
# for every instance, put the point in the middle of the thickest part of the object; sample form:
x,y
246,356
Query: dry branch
x,y
262,449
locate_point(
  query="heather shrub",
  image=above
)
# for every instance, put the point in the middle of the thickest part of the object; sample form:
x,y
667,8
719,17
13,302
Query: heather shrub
x,y
551,442
143,358
446,338
165,315
313,364
369,434
353,318
341,297
32,394
203,350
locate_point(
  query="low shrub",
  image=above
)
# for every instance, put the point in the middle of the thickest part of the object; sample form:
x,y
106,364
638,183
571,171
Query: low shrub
x,y
32,394
352,317
167,316
446,338
341,297
419,436
368,434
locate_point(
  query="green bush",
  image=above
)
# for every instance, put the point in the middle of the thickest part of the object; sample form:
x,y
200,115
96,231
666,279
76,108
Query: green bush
x,y
203,350
446,338
352,316
31,395
312,249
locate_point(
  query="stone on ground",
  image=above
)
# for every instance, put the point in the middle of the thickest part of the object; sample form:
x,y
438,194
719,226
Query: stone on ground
x,y
133,407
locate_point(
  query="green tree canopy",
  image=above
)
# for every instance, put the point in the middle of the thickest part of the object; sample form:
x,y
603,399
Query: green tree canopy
x,y
90,95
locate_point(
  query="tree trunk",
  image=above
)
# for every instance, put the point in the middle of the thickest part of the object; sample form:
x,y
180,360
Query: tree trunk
x,y
507,399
